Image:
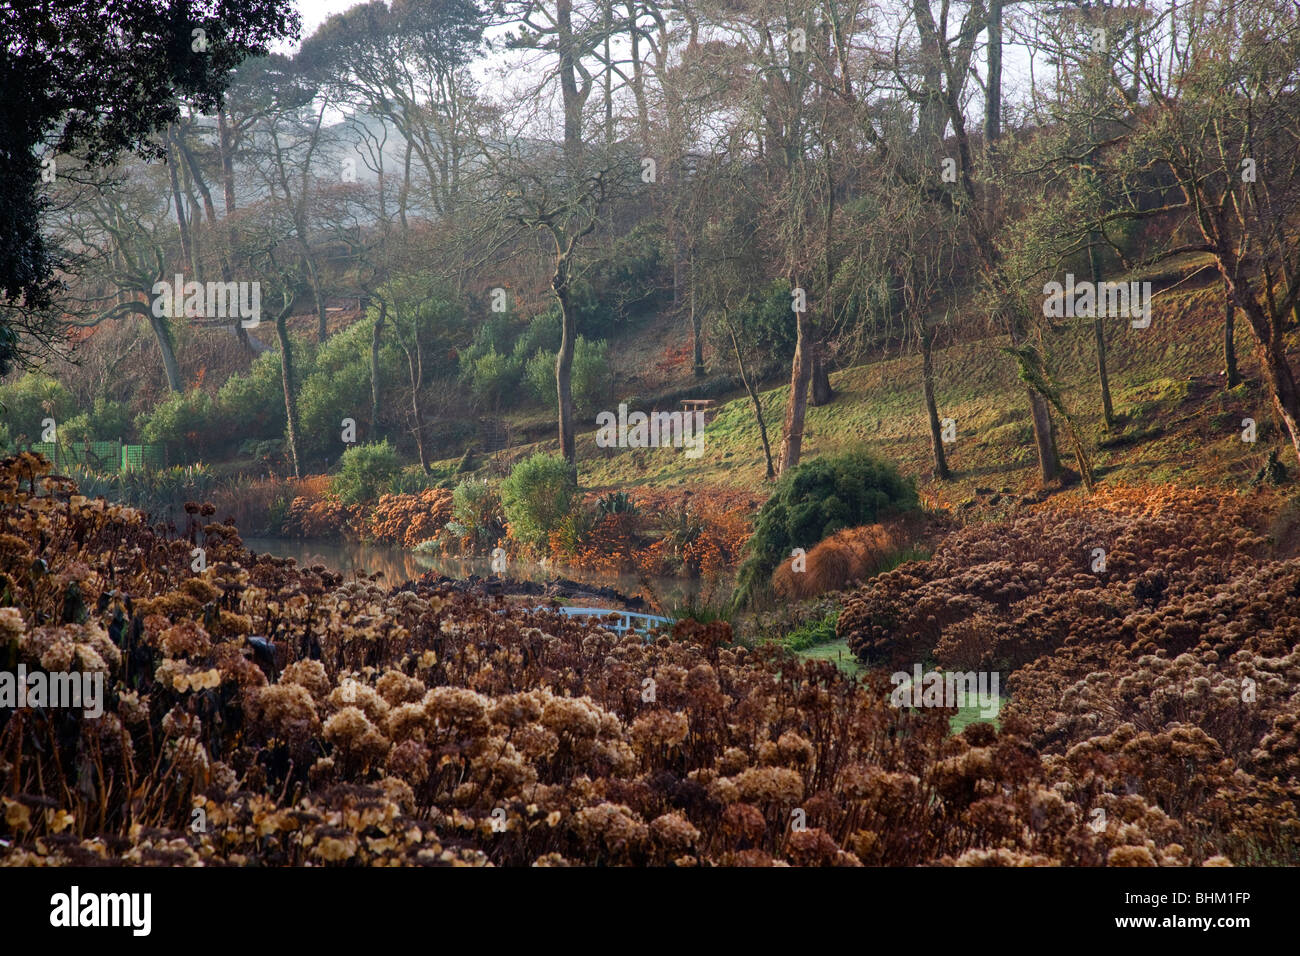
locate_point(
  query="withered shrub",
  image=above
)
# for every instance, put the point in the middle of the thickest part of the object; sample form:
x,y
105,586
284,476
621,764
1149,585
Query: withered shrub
x,y
261,713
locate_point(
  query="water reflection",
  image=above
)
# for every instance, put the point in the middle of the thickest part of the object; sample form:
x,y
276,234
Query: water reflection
x,y
399,565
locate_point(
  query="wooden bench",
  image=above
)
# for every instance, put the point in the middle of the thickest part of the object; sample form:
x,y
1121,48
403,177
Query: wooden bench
x,y
705,405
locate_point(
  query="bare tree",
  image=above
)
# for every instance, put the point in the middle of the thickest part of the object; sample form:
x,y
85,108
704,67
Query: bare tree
x,y
1218,114
563,200
119,240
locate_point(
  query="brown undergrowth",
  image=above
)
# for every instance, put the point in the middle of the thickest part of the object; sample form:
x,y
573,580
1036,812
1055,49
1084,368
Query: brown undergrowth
x,y
260,713
1170,673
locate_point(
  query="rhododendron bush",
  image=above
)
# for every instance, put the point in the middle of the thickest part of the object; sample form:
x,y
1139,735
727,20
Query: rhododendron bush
x,y
262,713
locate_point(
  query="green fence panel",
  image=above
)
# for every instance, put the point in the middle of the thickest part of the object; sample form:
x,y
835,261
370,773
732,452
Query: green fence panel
x,y
143,457
101,456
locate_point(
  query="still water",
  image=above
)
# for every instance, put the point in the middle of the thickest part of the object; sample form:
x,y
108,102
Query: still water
x,y
399,565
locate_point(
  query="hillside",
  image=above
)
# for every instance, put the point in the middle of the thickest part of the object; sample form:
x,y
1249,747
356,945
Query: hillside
x,y
1176,421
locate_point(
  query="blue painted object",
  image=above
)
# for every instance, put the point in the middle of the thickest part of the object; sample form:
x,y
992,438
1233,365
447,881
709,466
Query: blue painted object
x,y
627,620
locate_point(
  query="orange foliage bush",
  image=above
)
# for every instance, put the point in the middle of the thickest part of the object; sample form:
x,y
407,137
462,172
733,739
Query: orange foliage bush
x,y
717,549
324,517
402,520
652,540
846,557
406,520
613,545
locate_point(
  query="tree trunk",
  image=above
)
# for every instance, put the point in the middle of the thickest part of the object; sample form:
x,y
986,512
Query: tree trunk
x,y
571,96
415,367
226,146
927,387
404,193
173,158
225,149
1232,377
796,407
564,364
1286,396
162,331
1107,409
195,219
609,76
290,390
223,255
753,397
697,339
1049,462
677,268
321,332
638,78
822,393
993,95
1270,349
375,335
1099,333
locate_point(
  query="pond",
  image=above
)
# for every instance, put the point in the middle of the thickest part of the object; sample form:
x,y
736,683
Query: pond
x,y
399,565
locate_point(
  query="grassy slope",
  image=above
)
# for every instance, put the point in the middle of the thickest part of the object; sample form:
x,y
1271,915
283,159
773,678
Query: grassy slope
x,y
1165,380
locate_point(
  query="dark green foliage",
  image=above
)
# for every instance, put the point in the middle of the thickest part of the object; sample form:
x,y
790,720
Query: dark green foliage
x,y
270,453
367,471
628,283
187,423
252,404
615,503
492,376
338,387
764,324
492,366
543,332
814,501
104,421
766,320
537,496
590,377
